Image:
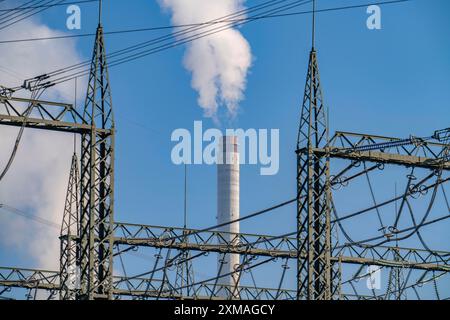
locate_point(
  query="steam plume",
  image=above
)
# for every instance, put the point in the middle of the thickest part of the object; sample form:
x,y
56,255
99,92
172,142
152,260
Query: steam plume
x,y
219,63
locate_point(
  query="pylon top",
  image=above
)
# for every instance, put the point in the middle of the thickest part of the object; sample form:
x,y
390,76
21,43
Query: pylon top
x,y
313,24
99,13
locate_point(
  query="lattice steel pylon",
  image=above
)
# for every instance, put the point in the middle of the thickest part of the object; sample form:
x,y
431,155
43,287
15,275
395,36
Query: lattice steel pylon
x,y
314,272
97,181
313,248
69,232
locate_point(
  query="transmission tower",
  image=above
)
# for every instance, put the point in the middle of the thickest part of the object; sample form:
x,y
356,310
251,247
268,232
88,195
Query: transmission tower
x,y
89,233
69,235
97,180
314,273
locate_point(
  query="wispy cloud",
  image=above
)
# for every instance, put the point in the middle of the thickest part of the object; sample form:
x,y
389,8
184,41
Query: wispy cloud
x,y
37,180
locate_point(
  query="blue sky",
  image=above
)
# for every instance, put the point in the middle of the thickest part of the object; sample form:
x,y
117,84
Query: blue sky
x,y
391,82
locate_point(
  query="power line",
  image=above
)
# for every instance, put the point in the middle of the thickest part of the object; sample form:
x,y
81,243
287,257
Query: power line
x,y
147,52
34,96
206,23
29,216
166,38
47,5
252,215
362,211
190,38
272,13
22,16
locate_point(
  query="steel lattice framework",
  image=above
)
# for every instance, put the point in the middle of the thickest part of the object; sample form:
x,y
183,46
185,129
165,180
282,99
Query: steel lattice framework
x,y
91,240
69,232
97,181
315,274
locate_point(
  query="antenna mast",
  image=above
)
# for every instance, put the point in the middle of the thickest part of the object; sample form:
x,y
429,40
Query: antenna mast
x,y
185,196
314,24
99,12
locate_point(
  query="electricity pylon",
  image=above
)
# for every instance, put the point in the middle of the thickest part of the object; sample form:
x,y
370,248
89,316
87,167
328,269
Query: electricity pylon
x,y
97,181
68,237
314,272
313,248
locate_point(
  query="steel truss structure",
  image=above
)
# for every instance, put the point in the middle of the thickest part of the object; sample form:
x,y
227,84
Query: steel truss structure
x,y
91,240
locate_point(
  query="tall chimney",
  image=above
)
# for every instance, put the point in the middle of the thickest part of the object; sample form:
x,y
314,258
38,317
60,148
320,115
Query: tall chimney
x,y
228,210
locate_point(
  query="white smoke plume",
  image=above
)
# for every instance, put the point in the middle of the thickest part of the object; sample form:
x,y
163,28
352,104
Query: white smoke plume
x,y
219,63
37,180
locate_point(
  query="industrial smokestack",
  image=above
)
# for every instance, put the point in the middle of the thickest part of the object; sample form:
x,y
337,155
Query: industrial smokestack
x,y
228,210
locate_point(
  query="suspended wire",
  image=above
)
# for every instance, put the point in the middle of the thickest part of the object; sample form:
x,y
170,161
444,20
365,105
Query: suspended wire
x,y
179,40
362,211
3,14
228,273
192,38
139,55
192,24
219,271
403,288
252,215
419,235
22,16
247,247
123,268
228,18
167,265
164,275
283,274
382,227
23,7
158,257
415,227
408,186
29,216
175,34
186,40
338,220
420,282
34,96
423,223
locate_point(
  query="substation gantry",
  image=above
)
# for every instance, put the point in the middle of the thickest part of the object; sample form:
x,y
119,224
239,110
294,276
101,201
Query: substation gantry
x,y
91,239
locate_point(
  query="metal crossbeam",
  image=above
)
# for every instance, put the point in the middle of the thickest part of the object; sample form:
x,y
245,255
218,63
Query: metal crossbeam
x,y
212,241
315,247
422,154
156,288
46,115
29,278
272,246
138,287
